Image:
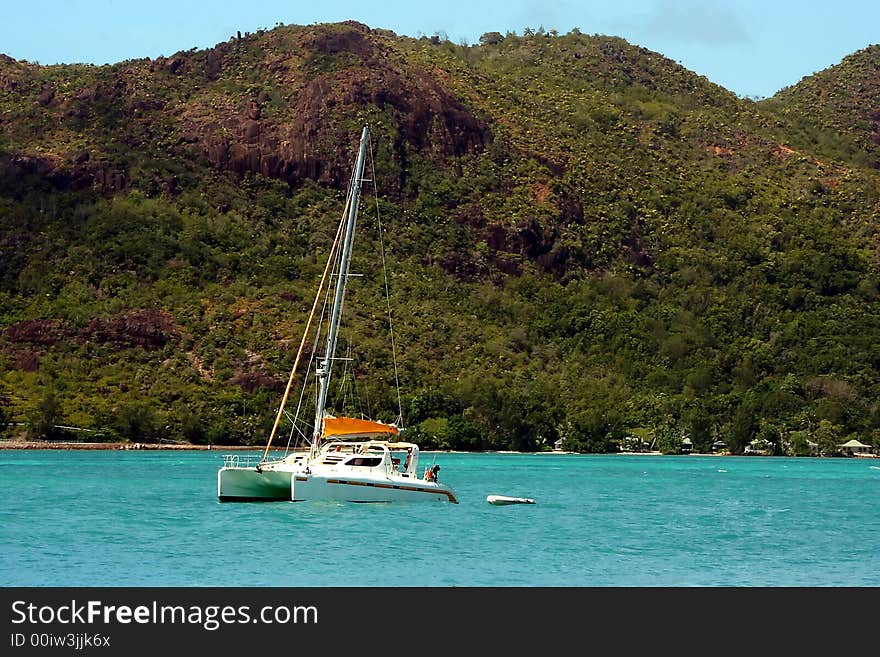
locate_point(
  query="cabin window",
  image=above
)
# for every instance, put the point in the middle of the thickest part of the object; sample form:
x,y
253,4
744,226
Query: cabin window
x,y
364,461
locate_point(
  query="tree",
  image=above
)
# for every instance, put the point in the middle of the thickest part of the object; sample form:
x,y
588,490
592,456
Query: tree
x,y
593,432
136,422
827,437
698,423
431,403
771,435
742,429
462,434
193,429
875,439
491,38
800,443
430,433
668,436
5,419
45,418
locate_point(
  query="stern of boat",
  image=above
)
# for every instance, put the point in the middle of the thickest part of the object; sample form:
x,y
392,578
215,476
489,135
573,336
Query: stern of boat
x,y
242,479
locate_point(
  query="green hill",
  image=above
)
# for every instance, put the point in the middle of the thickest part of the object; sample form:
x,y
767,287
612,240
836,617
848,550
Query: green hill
x,y
587,241
836,112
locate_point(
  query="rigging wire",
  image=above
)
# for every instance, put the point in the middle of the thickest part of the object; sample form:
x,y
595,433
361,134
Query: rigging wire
x,y
399,421
302,344
333,269
325,307
335,258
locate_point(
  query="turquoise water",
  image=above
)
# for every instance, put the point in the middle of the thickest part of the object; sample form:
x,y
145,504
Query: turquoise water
x,y
123,518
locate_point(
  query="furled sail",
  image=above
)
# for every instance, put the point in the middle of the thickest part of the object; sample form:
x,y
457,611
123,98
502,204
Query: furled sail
x,y
351,426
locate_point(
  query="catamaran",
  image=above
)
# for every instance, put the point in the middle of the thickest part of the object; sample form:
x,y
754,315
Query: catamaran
x,y
350,459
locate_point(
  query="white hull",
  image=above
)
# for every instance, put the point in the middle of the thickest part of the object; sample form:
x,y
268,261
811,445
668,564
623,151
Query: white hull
x,y
251,485
500,500
345,487
338,473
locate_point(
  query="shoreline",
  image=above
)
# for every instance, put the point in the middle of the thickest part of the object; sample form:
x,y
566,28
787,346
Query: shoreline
x,y
67,445
72,446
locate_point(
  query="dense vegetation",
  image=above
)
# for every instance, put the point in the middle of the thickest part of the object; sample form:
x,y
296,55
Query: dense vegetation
x,y
587,242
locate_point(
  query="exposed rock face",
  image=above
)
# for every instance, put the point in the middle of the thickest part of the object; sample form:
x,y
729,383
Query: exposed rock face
x,y
26,360
35,331
25,336
311,145
79,174
213,63
331,78
46,95
149,329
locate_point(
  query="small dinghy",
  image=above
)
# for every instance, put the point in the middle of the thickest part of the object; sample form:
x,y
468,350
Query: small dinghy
x,y
504,499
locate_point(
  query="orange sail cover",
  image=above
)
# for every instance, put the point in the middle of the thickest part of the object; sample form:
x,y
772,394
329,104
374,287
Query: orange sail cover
x,y
351,426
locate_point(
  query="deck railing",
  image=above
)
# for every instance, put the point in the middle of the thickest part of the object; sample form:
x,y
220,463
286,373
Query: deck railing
x,y
248,460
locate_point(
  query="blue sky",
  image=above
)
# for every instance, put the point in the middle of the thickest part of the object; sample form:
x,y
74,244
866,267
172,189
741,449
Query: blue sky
x,y
751,47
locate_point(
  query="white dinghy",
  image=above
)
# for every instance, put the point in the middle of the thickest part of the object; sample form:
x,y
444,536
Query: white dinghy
x,y
500,500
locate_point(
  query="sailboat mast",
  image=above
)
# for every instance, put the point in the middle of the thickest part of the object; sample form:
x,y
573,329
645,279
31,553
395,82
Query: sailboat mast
x,y
327,363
